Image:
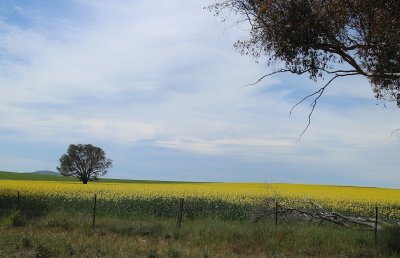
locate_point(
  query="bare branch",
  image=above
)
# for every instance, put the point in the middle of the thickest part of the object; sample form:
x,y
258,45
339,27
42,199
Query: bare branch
x,y
275,72
315,213
338,71
319,92
314,102
395,133
264,76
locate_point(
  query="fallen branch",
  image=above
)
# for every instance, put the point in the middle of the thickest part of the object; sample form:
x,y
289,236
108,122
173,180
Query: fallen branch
x,y
316,214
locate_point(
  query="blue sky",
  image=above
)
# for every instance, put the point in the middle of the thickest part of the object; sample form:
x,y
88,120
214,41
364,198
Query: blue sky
x,y
158,85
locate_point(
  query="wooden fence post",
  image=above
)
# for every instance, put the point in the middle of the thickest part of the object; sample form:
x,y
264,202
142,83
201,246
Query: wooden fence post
x,y
180,214
376,222
276,214
94,210
18,199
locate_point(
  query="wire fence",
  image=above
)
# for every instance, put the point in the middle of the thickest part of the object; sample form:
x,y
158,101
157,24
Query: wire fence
x,y
90,209
155,206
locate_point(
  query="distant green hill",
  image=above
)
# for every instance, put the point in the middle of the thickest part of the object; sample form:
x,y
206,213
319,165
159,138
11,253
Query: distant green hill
x,y
47,172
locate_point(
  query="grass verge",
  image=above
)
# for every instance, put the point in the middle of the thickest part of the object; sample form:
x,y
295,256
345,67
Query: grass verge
x,y
64,234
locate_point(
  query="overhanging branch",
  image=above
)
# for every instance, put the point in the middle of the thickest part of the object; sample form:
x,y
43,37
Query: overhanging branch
x,y
313,104
317,94
275,72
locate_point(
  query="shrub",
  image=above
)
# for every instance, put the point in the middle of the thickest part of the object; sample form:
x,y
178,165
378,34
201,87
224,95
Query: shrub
x,y
60,221
152,254
70,250
26,242
42,251
15,219
173,253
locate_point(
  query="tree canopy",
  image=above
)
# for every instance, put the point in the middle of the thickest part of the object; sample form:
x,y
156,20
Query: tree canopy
x,y
325,39
85,161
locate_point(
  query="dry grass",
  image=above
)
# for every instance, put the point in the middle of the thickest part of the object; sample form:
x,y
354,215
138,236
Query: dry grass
x,y
68,235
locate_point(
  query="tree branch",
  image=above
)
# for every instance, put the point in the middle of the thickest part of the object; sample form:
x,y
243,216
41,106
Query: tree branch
x,y
395,133
275,72
315,213
319,92
264,76
314,102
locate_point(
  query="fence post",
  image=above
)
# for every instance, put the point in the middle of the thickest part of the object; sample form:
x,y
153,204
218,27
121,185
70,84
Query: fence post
x,y
18,199
276,214
376,222
180,214
94,209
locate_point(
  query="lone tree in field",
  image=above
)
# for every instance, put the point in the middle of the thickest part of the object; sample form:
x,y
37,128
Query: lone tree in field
x,y
325,39
85,161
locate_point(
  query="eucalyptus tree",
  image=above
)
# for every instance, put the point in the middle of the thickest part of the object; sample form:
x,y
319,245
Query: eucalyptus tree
x,y
84,161
325,39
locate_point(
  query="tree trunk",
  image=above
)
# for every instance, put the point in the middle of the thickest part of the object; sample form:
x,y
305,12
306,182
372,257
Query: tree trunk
x,y
84,182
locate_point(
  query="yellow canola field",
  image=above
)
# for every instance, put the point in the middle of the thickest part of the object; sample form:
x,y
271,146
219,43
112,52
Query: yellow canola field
x,y
242,193
361,200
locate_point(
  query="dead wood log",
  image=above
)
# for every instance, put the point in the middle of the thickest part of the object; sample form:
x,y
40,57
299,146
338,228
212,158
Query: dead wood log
x,y
316,213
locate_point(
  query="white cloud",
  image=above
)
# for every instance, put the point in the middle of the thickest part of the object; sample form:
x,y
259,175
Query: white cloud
x,y
165,72
223,146
124,132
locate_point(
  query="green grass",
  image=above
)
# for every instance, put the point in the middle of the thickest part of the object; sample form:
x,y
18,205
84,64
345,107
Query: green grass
x,y
30,176
4,175
71,235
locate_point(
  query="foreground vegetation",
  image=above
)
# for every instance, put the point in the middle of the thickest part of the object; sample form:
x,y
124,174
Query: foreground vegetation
x,y
66,235
51,216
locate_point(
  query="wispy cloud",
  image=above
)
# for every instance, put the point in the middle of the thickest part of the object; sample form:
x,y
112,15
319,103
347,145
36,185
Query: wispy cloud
x,y
134,75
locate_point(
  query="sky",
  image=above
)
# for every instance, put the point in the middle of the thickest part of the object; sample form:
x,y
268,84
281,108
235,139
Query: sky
x,y
158,86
